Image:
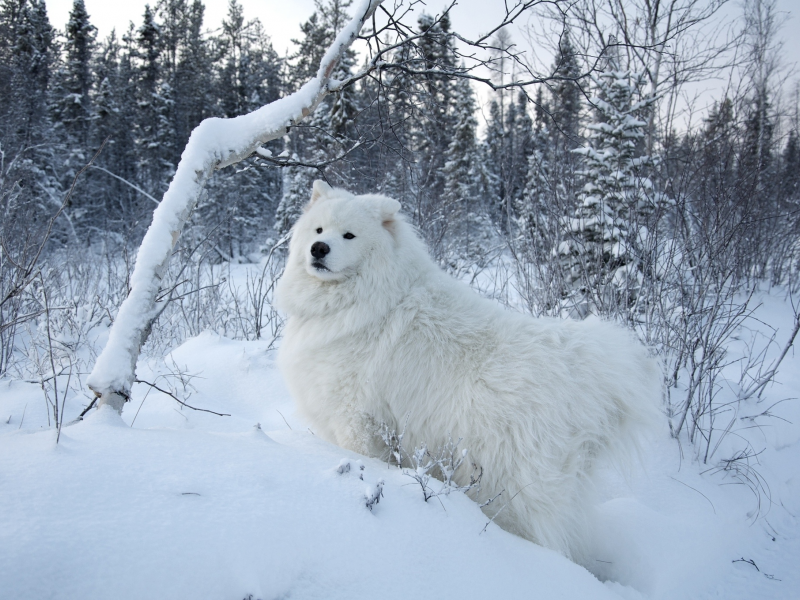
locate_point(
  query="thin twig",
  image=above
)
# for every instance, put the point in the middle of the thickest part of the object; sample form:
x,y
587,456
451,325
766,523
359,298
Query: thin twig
x,y
178,400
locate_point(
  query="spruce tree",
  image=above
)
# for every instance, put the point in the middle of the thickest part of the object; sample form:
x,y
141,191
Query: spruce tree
x,y
565,99
519,147
29,190
26,52
790,176
465,179
535,209
194,79
149,105
617,193
431,134
73,114
77,79
495,155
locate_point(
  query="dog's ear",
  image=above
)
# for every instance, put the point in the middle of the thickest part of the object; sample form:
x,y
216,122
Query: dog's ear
x,y
319,190
387,212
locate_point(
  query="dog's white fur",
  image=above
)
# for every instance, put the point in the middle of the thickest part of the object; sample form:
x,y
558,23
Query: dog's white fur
x,y
377,333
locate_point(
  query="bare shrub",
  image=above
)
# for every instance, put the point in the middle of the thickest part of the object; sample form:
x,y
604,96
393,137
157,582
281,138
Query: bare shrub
x,y
426,467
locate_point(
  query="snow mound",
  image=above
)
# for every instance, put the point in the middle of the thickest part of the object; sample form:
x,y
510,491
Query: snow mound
x,y
120,512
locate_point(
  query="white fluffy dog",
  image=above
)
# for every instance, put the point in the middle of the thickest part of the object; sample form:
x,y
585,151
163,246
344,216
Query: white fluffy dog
x,y
377,333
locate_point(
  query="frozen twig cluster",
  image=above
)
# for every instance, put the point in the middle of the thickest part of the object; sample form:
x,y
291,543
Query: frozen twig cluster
x,y
433,471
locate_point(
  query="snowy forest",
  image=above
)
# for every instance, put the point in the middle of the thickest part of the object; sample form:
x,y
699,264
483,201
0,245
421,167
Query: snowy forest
x,y
599,190
639,162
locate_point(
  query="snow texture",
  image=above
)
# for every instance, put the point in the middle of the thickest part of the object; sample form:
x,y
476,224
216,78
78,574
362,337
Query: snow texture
x,y
190,505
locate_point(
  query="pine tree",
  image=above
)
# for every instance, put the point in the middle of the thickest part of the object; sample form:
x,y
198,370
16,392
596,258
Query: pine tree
x,y
113,122
616,193
29,190
193,76
494,153
508,144
75,110
465,179
564,124
718,141
330,126
432,135
26,41
333,116
395,167
519,147
565,99
535,209
310,49
756,159
149,105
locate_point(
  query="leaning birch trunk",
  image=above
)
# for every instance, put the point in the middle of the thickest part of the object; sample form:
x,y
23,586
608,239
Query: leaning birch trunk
x,y
214,144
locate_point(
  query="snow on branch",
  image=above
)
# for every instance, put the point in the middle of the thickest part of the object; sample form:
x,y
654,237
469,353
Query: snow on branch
x,y
214,144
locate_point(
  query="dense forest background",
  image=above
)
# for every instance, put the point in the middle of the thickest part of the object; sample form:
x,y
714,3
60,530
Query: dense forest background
x,y
599,187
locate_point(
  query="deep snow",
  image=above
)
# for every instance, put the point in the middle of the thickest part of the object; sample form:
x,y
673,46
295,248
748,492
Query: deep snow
x,y
185,504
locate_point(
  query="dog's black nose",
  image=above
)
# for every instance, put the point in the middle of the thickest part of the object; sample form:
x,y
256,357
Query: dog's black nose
x,y
319,249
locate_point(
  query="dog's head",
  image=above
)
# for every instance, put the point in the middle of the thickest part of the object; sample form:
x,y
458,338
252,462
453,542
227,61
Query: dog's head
x,y
339,231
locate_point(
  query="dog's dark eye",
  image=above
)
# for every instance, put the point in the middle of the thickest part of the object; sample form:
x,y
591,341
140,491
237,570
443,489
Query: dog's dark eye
x,y
348,236
319,229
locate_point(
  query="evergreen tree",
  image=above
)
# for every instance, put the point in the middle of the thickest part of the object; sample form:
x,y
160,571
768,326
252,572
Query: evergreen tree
x,y
77,79
330,126
149,105
432,135
494,153
535,209
29,190
565,101
26,41
465,179
193,76
756,160
310,50
519,147
508,145
394,166
565,123
113,122
616,193
73,112
718,151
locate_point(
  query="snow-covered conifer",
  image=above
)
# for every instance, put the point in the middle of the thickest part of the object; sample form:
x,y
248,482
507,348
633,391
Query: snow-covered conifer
x,y
465,178
533,209
77,78
599,237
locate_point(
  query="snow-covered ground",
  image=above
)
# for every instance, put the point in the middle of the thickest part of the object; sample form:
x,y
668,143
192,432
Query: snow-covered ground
x,y
168,502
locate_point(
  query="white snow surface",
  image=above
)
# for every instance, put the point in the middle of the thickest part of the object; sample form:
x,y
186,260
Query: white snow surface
x,y
166,502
